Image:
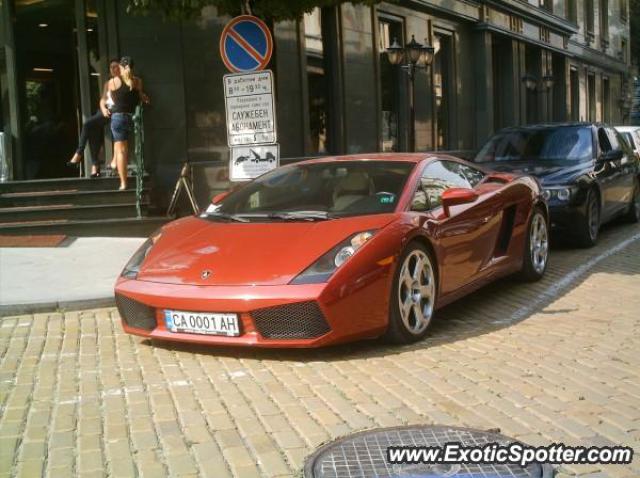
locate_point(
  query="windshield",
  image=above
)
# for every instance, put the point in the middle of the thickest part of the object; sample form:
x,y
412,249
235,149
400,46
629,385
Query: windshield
x,y
555,144
321,191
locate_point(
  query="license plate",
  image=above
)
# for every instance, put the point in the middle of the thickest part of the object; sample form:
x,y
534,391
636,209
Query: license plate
x,y
202,323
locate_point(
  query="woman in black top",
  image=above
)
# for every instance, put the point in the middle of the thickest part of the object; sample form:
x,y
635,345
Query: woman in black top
x,y
126,93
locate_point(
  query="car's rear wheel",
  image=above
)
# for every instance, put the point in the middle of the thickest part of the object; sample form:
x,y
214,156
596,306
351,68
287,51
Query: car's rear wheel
x,y
633,214
536,251
413,296
588,229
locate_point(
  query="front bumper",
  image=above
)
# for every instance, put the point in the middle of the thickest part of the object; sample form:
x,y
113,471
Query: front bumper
x,y
565,217
270,316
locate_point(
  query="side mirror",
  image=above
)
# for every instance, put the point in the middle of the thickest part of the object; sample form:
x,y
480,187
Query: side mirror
x,y
219,197
457,196
612,155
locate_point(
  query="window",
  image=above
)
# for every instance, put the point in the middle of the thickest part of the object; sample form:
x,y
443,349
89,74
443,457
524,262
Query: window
x,y
604,23
591,91
572,143
575,94
622,7
340,188
317,81
588,20
547,5
439,176
603,140
572,10
390,30
442,66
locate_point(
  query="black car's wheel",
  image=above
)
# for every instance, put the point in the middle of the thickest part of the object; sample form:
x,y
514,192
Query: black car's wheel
x,y
587,231
633,214
536,251
413,296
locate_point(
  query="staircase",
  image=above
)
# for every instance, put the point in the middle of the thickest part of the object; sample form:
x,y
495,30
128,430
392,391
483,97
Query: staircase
x,y
75,207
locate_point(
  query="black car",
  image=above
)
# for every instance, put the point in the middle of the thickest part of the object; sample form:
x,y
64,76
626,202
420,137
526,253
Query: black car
x,y
588,171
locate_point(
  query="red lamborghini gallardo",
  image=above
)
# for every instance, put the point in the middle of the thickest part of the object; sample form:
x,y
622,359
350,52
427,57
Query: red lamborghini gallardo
x,y
333,250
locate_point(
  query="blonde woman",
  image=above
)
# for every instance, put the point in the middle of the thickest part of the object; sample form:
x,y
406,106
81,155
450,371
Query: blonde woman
x,y
126,93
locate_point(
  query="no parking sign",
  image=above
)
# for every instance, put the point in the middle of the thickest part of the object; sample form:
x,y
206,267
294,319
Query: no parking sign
x,y
246,44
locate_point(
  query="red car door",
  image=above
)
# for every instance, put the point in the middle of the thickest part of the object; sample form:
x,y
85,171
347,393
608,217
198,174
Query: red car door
x,y
466,238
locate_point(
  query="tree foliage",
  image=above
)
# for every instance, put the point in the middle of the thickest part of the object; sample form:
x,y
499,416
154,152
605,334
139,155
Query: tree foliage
x,y
268,9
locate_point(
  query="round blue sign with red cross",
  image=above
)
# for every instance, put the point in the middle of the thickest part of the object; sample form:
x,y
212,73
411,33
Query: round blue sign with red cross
x,y
246,44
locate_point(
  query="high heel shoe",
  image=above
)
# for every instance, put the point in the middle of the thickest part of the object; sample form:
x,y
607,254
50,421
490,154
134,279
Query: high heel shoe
x,y
76,163
96,174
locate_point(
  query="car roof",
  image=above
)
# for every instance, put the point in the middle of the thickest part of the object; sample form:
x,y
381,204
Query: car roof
x,y
551,125
627,129
400,157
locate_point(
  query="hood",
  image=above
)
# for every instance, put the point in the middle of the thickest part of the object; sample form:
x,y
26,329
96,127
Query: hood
x,y
548,172
269,253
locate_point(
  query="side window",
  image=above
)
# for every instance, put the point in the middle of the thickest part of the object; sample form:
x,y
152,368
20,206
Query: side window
x,y
626,145
439,176
603,140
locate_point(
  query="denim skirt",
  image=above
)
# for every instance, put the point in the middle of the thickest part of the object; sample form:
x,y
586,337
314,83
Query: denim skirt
x,y
121,126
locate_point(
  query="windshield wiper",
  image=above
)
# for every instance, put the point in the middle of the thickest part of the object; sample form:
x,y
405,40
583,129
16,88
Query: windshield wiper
x,y
224,215
301,216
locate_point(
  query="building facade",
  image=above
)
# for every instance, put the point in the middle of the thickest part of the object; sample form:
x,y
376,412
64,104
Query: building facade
x,y
496,63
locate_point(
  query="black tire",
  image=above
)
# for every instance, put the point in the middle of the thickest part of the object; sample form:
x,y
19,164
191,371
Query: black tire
x,y
587,230
535,256
398,332
633,214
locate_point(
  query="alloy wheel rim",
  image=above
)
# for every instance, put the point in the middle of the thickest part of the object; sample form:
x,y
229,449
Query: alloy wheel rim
x,y
416,292
539,243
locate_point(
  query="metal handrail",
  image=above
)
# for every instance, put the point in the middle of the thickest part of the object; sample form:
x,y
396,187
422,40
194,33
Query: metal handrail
x,y
138,152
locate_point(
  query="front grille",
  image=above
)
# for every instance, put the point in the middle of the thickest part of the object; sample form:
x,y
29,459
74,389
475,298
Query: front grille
x,y
302,320
136,314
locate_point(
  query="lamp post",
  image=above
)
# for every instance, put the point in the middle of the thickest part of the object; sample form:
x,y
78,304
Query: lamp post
x,y
410,57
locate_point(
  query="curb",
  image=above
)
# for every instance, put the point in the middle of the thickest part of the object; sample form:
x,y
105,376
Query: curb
x,y
83,304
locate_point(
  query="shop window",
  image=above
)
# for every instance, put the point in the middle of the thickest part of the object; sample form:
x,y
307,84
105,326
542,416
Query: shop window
x,y
442,66
390,30
318,82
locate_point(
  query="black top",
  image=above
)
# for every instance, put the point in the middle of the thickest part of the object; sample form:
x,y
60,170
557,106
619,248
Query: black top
x,y
125,99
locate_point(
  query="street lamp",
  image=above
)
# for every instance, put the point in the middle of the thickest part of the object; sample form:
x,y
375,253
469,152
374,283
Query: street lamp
x,y
413,55
532,83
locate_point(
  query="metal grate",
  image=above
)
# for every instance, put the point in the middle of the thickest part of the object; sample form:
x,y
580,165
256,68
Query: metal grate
x,y
302,320
136,314
364,455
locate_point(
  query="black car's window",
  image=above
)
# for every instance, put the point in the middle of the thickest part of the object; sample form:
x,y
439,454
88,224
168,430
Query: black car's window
x,y
438,176
340,188
572,143
626,145
603,140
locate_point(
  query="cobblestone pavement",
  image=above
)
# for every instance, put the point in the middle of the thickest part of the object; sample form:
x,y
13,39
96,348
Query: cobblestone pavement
x,y
557,361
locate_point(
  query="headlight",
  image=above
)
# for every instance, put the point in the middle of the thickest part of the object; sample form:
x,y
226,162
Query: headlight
x,y
562,194
321,270
132,268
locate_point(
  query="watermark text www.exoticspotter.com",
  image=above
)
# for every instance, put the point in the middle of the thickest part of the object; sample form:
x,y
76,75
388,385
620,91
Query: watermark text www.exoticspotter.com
x,y
514,453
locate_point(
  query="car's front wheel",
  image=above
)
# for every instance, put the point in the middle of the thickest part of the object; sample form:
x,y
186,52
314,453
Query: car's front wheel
x,y
413,296
588,229
536,252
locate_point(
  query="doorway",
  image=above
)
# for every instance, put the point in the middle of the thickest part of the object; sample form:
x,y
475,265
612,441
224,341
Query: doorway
x,y
47,77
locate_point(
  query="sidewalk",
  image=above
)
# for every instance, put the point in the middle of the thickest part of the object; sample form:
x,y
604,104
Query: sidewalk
x,y
45,278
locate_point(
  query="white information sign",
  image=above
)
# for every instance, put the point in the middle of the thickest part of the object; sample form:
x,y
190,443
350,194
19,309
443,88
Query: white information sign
x,y
248,162
250,108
